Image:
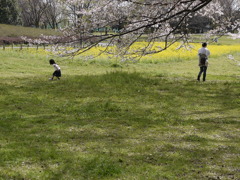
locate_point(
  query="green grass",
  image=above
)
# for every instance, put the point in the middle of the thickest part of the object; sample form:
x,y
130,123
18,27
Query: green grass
x,y
17,31
135,121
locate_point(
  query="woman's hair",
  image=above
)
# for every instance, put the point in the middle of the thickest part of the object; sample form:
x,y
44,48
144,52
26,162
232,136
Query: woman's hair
x,y
51,61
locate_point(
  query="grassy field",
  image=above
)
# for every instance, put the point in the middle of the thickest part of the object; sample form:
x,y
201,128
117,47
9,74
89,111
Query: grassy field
x,y
104,121
17,31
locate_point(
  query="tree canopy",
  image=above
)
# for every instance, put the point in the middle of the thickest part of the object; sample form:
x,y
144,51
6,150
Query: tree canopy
x,y
152,20
8,12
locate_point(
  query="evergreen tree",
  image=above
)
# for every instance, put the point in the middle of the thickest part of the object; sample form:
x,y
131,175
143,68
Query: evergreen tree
x,y
9,12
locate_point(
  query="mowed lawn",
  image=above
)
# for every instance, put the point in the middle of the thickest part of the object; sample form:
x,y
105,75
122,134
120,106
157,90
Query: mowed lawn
x,y
102,121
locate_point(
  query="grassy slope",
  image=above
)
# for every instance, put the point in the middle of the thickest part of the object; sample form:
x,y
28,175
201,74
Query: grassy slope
x,y
144,121
17,31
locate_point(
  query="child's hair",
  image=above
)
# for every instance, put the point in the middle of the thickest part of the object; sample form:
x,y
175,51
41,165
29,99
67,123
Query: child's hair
x,y
51,61
204,44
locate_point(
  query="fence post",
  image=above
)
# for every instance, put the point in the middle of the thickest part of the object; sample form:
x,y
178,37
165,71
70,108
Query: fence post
x,y
3,46
20,47
12,46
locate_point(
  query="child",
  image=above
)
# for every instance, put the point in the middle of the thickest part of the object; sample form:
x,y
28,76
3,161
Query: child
x,y
57,69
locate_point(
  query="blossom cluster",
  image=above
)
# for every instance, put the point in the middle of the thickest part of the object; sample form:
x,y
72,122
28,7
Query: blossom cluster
x,y
154,20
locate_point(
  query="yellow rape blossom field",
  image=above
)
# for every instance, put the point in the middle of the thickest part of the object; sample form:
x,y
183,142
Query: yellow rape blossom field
x,y
173,53
177,52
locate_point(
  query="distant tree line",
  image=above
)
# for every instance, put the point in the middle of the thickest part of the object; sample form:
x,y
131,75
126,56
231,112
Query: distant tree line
x,y
59,13
9,12
37,13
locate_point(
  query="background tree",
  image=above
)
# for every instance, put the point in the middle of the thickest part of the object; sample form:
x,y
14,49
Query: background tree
x,y
231,11
53,14
32,12
9,12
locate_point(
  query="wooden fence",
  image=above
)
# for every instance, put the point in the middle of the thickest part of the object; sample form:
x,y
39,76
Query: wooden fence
x,y
42,46
22,46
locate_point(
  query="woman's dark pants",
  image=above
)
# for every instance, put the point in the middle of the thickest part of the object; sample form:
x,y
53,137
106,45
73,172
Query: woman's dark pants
x,y
203,69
